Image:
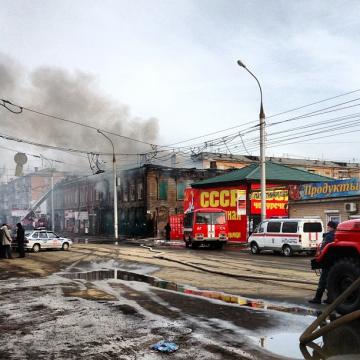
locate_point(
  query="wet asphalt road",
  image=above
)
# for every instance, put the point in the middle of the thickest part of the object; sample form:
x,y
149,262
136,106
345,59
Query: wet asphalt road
x,y
217,330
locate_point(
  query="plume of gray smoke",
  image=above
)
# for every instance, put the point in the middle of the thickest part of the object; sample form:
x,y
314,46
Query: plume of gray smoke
x,y
71,95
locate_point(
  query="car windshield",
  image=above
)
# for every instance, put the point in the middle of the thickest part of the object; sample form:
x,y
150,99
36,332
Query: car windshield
x,y
217,218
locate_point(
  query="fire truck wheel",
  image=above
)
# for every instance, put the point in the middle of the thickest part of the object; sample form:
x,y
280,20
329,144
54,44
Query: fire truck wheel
x,y
341,276
187,244
194,245
287,251
254,248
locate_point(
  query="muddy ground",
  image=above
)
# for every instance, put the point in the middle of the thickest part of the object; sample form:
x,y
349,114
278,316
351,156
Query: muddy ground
x,y
46,315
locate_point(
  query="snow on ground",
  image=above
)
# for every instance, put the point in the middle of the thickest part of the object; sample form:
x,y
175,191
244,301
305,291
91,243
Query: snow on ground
x,y
43,319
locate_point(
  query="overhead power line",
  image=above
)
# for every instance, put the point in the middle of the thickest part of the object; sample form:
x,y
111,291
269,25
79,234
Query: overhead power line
x,y
6,104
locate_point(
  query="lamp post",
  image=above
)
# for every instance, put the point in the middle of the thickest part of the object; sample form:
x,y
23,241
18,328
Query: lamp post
x,y
115,192
262,146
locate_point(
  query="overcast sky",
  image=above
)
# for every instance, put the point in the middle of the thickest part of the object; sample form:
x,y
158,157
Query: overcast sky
x,y
175,61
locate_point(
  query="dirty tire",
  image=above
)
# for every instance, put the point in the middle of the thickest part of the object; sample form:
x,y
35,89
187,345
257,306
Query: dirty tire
x,y
36,248
65,246
287,251
341,276
195,245
219,246
254,248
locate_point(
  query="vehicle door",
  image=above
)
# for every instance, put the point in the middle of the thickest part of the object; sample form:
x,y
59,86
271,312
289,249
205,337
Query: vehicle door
x,y
53,240
43,240
259,234
273,237
311,234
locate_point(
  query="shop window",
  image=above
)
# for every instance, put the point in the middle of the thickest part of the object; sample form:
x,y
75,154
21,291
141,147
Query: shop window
x,y
163,190
335,216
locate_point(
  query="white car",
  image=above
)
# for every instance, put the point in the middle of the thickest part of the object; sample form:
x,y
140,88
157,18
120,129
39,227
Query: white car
x,y
37,240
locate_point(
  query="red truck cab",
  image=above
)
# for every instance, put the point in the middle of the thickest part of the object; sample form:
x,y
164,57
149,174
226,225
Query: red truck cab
x,y
205,226
342,258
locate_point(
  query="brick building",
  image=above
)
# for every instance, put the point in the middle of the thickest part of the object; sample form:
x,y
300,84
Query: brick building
x,y
146,197
332,169
23,195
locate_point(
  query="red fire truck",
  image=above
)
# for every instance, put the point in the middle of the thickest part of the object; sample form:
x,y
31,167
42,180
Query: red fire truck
x,y
205,226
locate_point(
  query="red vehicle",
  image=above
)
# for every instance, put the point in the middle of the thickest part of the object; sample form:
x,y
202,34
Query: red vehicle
x,y
205,226
343,258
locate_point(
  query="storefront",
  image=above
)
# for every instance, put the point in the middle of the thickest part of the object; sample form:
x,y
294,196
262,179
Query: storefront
x,y
238,193
337,200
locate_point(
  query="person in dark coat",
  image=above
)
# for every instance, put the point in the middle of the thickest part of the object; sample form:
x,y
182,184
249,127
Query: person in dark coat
x,y
329,237
20,237
167,231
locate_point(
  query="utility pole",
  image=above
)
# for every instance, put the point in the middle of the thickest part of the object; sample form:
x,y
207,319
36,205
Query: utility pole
x,y
116,234
262,146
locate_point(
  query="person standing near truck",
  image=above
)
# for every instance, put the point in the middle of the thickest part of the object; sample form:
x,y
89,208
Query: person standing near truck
x,y
329,237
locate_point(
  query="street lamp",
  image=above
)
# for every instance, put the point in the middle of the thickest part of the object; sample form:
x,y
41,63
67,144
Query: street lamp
x,y
262,146
115,192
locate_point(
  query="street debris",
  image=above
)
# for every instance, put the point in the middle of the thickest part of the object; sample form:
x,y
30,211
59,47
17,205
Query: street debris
x,y
165,347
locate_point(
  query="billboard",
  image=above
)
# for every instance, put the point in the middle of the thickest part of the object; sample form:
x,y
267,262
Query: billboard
x,y
325,190
230,199
276,202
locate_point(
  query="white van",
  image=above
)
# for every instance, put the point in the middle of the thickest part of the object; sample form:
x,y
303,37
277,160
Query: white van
x,y
287,236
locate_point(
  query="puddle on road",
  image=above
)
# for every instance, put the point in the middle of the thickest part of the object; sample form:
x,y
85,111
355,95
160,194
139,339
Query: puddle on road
x,y
284,344
341,341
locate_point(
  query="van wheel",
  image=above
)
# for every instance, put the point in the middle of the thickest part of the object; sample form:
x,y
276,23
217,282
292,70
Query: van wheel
x,y
341,276
254,248
287,251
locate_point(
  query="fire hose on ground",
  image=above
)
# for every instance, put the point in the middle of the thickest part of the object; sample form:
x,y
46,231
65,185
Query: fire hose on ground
x,y
236,276
311,333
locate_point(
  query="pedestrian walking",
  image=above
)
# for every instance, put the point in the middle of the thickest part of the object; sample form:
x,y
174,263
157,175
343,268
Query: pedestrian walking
x,y
20,237
329,237
6,241
167,231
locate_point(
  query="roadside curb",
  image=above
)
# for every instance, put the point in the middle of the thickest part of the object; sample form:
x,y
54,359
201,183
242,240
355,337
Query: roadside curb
x,y
211,294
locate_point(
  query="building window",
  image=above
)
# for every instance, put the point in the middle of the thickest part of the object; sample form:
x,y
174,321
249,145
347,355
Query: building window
x,y
333,215
132,192
140,191
125,193
180,189
163,189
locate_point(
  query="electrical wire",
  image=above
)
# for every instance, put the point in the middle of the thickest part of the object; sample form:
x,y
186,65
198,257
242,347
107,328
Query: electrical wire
x,y
68,121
